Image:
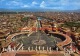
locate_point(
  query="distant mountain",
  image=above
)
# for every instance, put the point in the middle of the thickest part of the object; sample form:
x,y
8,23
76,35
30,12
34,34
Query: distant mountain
x,y
36,10
4,10
77,10
26,10
72,10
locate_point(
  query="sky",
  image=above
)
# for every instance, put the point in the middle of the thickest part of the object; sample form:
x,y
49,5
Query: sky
x,y
41,4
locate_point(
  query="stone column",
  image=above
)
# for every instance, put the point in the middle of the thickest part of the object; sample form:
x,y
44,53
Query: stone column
x,y
3,49
32,48
36,48
22,48
14,48
71,48
50,49
43,48
39,48
57,49
64,52
28,48
47,49
69,51
9,48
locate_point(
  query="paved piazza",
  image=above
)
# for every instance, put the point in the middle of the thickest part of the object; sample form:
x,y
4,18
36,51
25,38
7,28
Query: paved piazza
x,y
37,39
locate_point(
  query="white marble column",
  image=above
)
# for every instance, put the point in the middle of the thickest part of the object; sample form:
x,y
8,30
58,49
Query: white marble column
x,y
57,49
71,48
50,49
39,48
28,48
36,48
32,48
9,48
3,49
22,48
43,48
47,49
14,48
64,52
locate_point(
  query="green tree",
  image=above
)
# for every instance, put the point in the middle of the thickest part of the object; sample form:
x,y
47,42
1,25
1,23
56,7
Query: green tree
x,y
25,19
71,25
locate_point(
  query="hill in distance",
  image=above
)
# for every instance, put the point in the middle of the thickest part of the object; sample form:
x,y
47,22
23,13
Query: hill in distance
x,y
36,10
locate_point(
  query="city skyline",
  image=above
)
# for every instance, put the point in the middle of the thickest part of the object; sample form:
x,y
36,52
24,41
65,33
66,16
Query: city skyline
x,y
40,4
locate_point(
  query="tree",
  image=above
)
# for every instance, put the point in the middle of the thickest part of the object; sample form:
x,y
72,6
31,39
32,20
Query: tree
x,y
71,25
25,19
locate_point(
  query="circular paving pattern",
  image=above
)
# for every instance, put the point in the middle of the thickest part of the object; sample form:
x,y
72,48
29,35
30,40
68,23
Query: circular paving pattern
x,y
38,42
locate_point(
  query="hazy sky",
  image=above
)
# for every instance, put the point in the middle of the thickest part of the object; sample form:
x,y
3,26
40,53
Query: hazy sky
x,y
45,4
